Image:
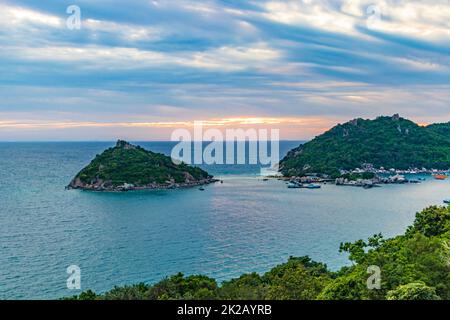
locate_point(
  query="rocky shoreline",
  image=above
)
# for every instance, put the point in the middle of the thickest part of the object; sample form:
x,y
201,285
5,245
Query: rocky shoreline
x,y
380,177
101,186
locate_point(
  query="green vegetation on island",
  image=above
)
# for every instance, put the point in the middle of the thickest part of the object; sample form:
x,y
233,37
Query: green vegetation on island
x,y
389,142
413,266
129,167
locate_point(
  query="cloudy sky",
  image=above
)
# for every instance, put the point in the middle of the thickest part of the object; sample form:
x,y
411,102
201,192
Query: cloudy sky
x,y
138,69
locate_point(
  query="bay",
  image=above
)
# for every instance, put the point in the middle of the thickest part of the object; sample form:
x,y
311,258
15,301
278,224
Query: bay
x,y
243,225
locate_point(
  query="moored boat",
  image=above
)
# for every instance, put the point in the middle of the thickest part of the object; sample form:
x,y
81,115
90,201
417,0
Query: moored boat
x,y
312,186
440,176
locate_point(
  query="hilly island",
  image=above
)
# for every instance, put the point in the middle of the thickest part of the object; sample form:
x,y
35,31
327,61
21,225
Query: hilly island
x,y
129,167
386,142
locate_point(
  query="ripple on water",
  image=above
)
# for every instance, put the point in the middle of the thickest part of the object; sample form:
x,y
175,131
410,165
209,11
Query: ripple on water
x,y
242,225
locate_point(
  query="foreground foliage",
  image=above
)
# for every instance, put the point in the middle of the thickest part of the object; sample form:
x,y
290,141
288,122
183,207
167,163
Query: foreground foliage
x,y
414,266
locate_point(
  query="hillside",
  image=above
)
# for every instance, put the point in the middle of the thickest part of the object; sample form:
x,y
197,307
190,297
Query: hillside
x,y
389,142
128,167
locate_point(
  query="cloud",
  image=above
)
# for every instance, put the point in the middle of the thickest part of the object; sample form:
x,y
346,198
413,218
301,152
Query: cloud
x,y
13,17
311,14
178,61
116,58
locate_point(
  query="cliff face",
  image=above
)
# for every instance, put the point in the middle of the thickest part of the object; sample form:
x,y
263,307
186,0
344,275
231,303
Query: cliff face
x,y
389,142
129,167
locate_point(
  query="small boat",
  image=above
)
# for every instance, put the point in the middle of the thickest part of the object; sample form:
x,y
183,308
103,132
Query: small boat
x,y
312,186
294,186
201,189
447,201
440,176
265,179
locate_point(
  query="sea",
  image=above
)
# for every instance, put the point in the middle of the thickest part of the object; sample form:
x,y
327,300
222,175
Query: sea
x,y
242,225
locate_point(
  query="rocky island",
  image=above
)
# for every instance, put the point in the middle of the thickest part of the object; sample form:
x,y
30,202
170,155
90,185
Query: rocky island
x,y
128,167
385,144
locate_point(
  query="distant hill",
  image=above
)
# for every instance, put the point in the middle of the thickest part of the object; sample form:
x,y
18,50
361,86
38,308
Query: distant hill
x,y
128,167
389,142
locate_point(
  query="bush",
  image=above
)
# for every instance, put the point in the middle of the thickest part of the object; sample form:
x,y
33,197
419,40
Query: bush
x,y
413,291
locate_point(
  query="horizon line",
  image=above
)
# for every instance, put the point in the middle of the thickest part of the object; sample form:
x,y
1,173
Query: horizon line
x,y
131,140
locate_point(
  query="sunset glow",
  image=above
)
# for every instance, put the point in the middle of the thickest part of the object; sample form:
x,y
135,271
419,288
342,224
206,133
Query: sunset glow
x,y
155,66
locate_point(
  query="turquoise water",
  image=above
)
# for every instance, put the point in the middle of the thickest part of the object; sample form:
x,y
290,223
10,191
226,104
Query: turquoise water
x,y
242,225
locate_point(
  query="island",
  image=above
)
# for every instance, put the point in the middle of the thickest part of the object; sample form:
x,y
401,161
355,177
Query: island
x,y
383,145
128,167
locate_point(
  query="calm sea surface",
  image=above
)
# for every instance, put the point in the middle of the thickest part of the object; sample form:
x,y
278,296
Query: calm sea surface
x,y
242,225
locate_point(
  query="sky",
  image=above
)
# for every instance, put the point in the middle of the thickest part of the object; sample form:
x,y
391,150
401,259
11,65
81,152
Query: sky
x,y
138,70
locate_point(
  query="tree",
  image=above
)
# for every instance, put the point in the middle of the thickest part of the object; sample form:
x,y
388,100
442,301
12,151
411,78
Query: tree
x,y
356,250
432,221
247,287
296,284
351,286
178,287
413,291
135,292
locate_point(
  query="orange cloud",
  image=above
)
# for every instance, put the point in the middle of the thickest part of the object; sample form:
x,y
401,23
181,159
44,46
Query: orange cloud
x,y
241,121
290,127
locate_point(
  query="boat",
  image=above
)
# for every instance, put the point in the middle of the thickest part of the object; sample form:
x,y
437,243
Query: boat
x,y
201,189
440,176
447,201
294,186
312,186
